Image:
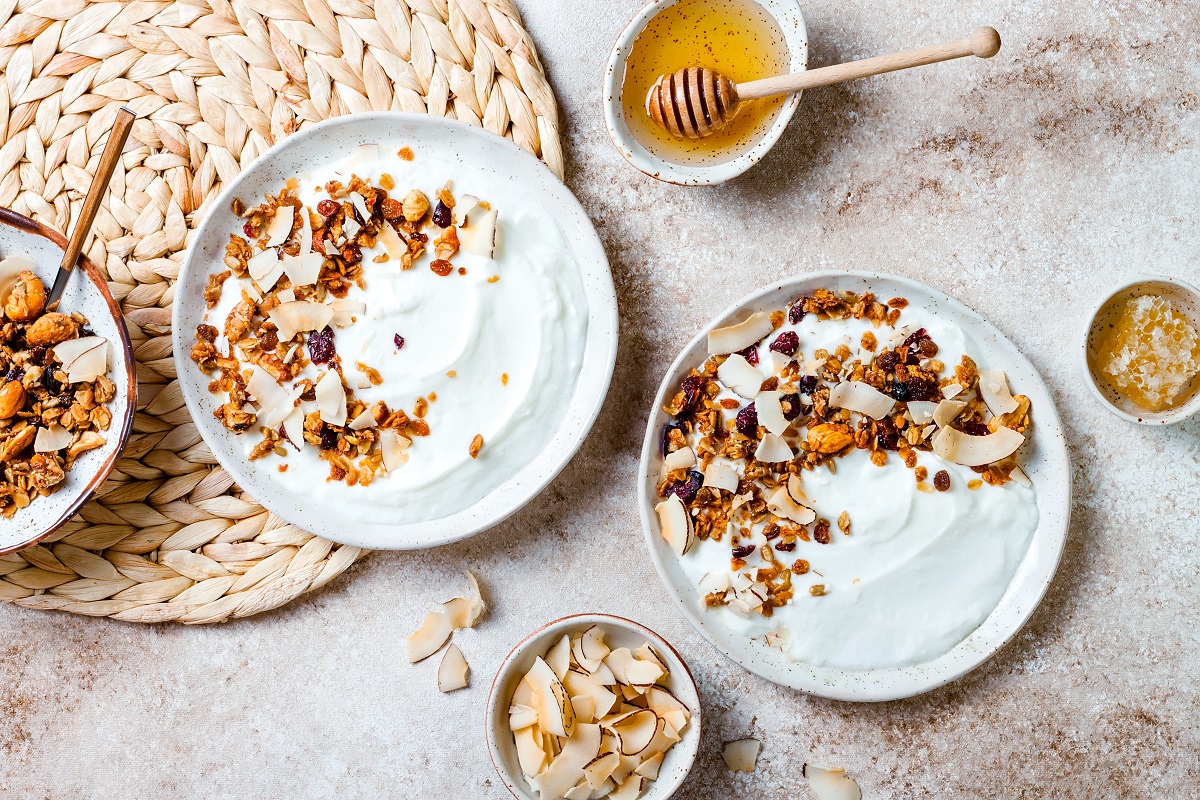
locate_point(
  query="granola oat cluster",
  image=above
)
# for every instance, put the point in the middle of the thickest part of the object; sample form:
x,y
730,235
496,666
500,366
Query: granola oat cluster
x,y
53,395
302,262
811,411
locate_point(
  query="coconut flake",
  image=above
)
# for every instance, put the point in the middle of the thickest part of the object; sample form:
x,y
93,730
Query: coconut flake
x,y
566,771
363,421
331,398
742,755
921,411
479,238
344,311
52,439
520,716
303,270
682,458
714,582
306,233
280,226
675,523
392,446
83,359
993,387
275,402
300,316
428,638
770,412
453,671
360,205
975,451
530,754
831,784
350,228
947,411
740,375
951,390
781,504
1018,475
720,476
773,449
556,715
293,426
66,352
391,242
738,337
559,656
861,397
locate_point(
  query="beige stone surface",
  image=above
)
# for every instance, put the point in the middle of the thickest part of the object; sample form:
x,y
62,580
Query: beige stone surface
x,y
1023,186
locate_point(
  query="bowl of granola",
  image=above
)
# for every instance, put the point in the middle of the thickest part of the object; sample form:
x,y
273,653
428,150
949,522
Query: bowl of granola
x,y
396,330
855,486
68,391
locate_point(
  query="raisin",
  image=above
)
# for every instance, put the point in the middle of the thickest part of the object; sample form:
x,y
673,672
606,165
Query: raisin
x,y
441,267
207,333
398,340
915,337
352,254
392,209
808,384
320,346
329,437
37,356
796,312
791,406
941,481
889,360
928,348
750,354
787,343
268,340
821,532
441,215
920,389
686,490
327,208
15,374
747,422
975,429
743,551
785,547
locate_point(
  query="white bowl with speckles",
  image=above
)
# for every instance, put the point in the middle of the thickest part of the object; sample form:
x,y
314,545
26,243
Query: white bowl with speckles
x,y
619,632
1044,458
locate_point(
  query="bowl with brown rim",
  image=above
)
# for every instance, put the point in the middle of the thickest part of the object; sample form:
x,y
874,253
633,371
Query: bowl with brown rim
x,y
86,293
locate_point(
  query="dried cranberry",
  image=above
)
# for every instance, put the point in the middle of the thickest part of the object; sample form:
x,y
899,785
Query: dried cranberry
x,y
785,547
913,358
750,354
787,343
666,436
975,429
747,421
441,215
796,312
808,384
320,346
919,389
692,385
37,355
743,551
248,229
916,336
889,360
686,490
398,340
900,392
793,401
327,208
329,437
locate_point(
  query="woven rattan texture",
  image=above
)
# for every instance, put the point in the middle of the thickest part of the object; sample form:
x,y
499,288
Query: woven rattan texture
x,y
169,537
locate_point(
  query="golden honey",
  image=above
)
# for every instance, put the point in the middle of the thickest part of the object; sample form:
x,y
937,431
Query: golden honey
x,y
1151,354
737,38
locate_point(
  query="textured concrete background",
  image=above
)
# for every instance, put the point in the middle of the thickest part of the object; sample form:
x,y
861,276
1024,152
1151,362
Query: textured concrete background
x,y
1023,186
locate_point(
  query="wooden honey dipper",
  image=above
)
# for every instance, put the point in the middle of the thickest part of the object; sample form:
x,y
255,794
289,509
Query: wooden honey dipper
x,y
696,102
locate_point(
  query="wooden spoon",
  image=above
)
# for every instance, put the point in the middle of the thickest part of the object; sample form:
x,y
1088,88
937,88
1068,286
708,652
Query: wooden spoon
x,y
91,203
696,102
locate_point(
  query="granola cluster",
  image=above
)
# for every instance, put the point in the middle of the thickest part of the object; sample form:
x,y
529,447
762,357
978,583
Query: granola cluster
x,y
716,426
50,412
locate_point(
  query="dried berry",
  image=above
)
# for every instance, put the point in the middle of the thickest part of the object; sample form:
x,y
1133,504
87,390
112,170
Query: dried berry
x,y
785,547
900,392
398,340
352,254
666,436
747,421
327,208
888,360
206,333
750,354
743,551
888,437
915,337
392,209
320,346
928,348
37,356
441,215
686,490
821,532
975,429
15,374
808,384
791,406
941,481
248,229
921,389
787,343
441,267
329,437
796,312
284,436
691,387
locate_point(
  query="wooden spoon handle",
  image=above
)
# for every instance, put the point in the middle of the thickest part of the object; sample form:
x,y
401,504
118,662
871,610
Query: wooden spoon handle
x,y
104,173
983,42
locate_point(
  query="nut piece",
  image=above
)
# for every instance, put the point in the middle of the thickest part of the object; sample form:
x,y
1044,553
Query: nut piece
x,y
476,446
45,472
50,329
88,441
416,205
27,298
12,398
17,444
827,438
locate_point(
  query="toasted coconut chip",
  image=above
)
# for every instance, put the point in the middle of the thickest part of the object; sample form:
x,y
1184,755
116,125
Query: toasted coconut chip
x,y
306,234
993,387
781,504
465,205
604,676
331,398
739,501
773,449
645,652
976,451
364,420
796,490
286,296
951,390
618,661
521,717
643,673
680,459
588,649
280,225
556,715
532,757
637,730
566,771
922,411
580,792
676,524
66,352
52,439
720,476
1020,477
585,708
293,426
90,364
391,242
464,612
600,768
831,784
367,155
714,582
861,397
428,638
392,446
274,401
770,412
360,205
350,227
738,337
453,671
479,238
580,685
559,656
303,270
947,411
742,755
300,316
740,376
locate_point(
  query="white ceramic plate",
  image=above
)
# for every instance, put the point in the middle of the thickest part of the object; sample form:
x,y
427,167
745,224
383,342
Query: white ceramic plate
x,y
619,632
1045,460
475,150
87,293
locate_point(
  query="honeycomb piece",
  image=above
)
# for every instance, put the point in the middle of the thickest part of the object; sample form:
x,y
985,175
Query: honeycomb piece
x,y
1151,354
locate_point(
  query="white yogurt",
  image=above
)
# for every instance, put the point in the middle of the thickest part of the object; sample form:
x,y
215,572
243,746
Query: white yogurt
x,y
529,325
919,571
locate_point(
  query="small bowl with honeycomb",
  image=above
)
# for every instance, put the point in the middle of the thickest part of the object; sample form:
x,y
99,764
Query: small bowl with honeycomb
x,y
1141,350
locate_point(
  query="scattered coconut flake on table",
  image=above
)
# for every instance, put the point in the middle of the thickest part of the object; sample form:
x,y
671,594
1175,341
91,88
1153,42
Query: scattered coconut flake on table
x,y
831,784
742,755
453,671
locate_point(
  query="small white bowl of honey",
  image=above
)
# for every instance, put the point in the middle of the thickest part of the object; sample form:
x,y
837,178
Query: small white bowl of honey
x,y
1141,351
743,39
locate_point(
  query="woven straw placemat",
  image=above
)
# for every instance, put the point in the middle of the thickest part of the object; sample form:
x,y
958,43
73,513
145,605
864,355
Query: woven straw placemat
x,y
214,83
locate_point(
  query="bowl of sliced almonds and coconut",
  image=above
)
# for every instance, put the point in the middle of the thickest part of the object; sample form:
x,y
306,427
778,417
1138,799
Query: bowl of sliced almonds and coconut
x,y
593,706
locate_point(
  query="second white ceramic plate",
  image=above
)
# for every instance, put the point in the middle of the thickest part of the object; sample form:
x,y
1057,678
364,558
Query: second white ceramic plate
x,y
474,149
1045,460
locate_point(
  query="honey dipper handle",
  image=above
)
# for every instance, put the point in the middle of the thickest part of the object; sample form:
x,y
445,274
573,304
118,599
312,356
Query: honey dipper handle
x,y
982,42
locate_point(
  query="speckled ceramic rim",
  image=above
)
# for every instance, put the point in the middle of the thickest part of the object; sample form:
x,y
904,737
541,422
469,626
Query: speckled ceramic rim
x,y
1173,288
599,355
1047,462
124,352
790,20
679,759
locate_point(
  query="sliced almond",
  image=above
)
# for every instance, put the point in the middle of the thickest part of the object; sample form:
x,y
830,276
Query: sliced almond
x,y
428,638
947,411
831,784
770,412
742,755
993,388
280,226
453,671
52,439
738,337
331,398
675,524
861,397
975,451
740,376
773,449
